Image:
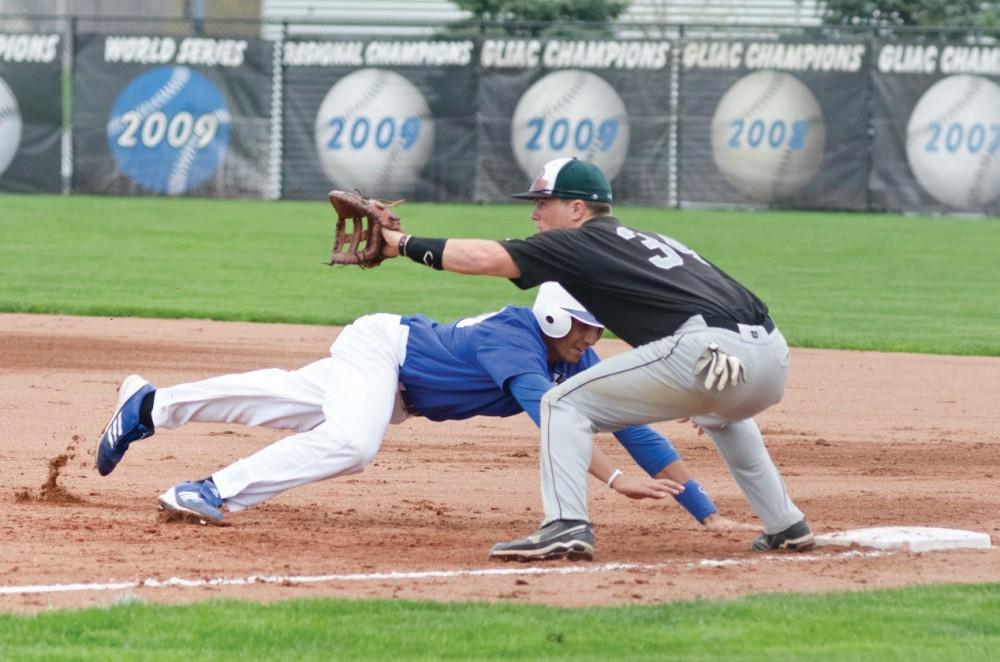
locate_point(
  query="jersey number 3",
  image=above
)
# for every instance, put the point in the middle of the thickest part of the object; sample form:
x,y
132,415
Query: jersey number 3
x,y
669,250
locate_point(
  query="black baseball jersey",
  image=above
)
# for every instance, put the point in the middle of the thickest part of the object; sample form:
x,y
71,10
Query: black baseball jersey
x,y
639,284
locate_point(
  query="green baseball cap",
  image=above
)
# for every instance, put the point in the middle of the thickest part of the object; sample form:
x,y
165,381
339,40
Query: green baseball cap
x,y
571,179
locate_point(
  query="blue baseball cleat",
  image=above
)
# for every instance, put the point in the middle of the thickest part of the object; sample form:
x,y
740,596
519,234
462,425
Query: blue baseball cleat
x,y
198,500
124,427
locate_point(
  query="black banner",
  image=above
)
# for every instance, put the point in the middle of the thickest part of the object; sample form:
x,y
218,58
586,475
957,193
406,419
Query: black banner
x,y
30,112
782,124
171,116
603,101
394,119
937,128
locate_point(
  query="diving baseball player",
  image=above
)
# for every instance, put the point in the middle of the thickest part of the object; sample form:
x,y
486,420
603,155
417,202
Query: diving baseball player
x,y
382,368
705,348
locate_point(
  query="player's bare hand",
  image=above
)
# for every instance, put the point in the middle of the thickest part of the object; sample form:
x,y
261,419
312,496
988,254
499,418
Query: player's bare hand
x,y
391,246
717,522
642,487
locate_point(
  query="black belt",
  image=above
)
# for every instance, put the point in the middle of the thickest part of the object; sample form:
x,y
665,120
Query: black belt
x,y
722,323
407,405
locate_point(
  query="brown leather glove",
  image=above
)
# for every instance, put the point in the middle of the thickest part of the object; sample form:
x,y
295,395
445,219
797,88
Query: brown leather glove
x,y
363,246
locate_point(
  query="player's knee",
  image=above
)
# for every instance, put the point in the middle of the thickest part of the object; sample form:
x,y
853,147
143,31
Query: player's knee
x,y
367,454
559,403
555,398
344,450
359,453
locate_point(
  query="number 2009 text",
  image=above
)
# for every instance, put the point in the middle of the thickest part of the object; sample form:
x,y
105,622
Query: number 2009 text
x,y
357,132
561,132
177,130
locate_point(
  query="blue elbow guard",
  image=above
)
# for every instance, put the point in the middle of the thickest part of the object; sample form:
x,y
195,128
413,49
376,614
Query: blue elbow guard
x,y
696,501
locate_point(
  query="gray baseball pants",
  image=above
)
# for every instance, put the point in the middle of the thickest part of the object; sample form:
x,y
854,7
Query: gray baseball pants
x,y
656,382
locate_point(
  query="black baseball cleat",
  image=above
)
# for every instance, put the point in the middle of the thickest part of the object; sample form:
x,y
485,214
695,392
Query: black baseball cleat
x,y
571,539
796,538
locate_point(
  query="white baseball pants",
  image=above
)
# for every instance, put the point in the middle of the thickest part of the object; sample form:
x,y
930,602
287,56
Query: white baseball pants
x,y
656,382
339,406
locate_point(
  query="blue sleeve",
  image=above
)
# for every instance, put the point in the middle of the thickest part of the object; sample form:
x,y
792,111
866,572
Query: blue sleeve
x,y
509,344
528,390
650,449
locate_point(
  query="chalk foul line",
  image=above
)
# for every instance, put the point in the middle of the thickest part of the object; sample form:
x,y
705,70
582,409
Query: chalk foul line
x,y
517,570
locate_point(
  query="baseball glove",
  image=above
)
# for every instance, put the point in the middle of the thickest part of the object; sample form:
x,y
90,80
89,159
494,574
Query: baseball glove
x,y
363,246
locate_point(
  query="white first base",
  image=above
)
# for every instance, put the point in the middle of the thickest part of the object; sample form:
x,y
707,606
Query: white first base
x,y
907,538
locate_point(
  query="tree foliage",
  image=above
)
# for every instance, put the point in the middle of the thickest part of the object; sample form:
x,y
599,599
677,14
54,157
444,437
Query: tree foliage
x,y
542,18
925,13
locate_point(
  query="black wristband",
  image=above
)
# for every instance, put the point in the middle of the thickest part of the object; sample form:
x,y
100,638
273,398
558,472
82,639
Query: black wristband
x,y
401,248
426,251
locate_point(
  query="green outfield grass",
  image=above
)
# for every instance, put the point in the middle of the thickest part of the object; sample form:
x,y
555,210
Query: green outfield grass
x,y
925,623
858,281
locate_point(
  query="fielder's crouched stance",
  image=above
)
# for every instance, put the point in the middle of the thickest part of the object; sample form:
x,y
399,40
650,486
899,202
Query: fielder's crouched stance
x,y
705,348
381,369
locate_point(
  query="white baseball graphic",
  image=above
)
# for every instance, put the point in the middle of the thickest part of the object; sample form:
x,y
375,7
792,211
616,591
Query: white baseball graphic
x,y
374,132
10,126
768,135
953,141
570,113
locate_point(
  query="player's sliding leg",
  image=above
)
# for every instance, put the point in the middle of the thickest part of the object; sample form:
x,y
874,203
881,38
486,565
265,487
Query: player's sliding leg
x,y
360,390
273,398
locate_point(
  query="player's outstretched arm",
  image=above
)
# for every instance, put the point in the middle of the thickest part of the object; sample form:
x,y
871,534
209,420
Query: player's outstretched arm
x,y
528,390
634,487
658,457
677,471
479,256
482,257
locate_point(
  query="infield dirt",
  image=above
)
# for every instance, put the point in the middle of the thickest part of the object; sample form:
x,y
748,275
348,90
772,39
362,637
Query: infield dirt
x,y
862,439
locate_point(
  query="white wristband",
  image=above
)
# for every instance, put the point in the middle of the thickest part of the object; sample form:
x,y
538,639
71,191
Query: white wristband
x,y
614,475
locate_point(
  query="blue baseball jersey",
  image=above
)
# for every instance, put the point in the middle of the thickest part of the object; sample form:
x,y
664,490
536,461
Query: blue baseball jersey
x,y
462,369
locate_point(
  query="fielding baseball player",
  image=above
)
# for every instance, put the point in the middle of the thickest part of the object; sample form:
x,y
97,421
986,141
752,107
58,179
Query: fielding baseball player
x,y
382,368
705,348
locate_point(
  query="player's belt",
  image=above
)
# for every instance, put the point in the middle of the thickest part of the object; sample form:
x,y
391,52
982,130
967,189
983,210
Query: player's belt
x,y
407,404
722,323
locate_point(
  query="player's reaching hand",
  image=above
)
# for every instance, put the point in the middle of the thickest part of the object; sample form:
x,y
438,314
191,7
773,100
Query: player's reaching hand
x,y
716,522
643,487
391,246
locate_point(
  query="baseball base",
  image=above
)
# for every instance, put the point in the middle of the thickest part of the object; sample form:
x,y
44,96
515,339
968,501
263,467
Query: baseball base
x,y
908,538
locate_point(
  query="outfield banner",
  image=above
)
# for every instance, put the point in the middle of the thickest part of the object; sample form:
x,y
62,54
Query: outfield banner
x,y
30,112
937,128
390,118
171,116
603,101
782,124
